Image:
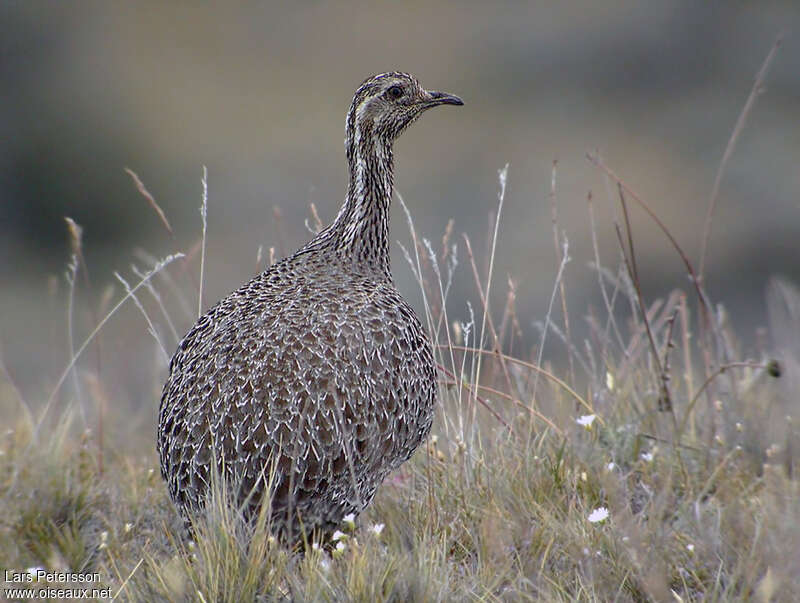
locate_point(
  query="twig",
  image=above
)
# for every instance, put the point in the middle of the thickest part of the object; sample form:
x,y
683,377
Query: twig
x,y
712,478
503,395
559,275
668,345
664,401
70,275
157,268
204,216
482,401
443,292
185,305
487,317
157,296
687,350
657,314
705,304
448,232
125,582
536,369
502,176
416,268
317,228
721,370
737,130
560,258
146,194
611,323
150,326
706,311
649,436
556,330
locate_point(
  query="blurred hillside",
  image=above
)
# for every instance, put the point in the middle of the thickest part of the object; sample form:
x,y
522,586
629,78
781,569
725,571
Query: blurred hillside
x,y
259,93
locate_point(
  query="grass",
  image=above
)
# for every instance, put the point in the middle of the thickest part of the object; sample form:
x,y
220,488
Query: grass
x,y
658,463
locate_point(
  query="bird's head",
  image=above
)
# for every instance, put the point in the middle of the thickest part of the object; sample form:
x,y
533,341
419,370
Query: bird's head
x,y
386,104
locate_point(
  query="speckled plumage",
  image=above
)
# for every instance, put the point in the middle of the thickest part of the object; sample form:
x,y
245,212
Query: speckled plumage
x,y
316,376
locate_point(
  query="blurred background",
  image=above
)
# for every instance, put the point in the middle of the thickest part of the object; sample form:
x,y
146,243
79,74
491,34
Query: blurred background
x,y
258,94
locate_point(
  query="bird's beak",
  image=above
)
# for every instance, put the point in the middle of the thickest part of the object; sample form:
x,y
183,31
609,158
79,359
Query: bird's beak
x,y
441,98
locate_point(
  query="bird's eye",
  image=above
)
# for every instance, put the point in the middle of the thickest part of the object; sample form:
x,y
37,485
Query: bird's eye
x,y
395,91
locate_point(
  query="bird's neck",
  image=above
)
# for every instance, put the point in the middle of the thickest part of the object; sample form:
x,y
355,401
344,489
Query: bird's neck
x,y
361,230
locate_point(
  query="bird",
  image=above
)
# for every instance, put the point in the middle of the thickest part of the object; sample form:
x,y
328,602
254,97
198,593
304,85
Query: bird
x,y
310,383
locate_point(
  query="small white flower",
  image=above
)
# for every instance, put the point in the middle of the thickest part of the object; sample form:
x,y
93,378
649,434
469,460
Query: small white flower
x,y
598,515
609,381
338,535
611,466
690,548
586,551
34,570
350,519
377,529
128,527
586,420
338,550
584,477
315,546
647,457
625,539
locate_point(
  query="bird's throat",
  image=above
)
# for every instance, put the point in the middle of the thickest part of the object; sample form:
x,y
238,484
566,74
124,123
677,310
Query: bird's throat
x,y
362,226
